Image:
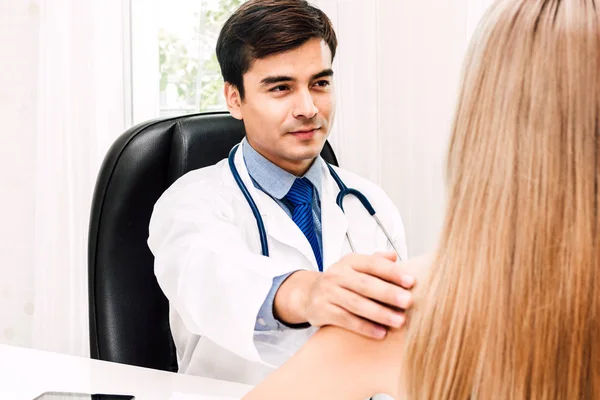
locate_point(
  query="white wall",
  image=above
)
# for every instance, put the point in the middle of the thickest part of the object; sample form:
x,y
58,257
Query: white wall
x,y
397,73
421,44
19,26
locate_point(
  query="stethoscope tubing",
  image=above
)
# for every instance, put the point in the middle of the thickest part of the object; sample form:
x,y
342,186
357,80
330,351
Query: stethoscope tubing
x,y
344,191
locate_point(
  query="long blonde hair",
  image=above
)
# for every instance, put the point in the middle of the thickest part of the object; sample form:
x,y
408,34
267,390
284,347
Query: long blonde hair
x,y
511,307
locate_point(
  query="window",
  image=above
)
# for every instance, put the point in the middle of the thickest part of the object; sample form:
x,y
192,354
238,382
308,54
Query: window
x,y
174,68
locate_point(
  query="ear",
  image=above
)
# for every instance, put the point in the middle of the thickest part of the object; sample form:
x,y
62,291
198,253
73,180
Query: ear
x,y
234,101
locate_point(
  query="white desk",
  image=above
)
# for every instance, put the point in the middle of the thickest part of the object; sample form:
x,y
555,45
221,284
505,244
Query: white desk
x,y
26,373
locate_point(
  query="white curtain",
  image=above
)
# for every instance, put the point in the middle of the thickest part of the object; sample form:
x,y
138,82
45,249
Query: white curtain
x,y
80,111
397,71
19,28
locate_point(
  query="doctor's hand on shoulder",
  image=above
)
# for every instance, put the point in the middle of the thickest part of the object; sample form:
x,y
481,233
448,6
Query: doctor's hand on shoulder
x,y
364,294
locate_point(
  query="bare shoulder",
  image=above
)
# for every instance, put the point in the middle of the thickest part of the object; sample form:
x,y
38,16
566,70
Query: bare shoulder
x,y
418,266
356,366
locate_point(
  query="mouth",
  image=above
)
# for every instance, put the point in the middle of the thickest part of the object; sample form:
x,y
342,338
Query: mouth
x,y
308,132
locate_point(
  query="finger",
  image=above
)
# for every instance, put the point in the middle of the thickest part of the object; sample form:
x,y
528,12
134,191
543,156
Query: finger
x,y
390,255
369,310
344,319
377,289
382,268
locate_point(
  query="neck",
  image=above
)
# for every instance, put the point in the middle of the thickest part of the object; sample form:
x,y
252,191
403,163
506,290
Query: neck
x,y
297,168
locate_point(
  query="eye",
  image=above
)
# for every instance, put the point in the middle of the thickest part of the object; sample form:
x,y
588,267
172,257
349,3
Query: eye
x,y
323,83
279,88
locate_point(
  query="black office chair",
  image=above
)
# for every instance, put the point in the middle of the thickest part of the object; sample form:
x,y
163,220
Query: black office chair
x,y
129,315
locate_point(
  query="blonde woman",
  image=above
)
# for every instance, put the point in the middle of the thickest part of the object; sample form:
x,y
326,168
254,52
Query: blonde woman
x,y
510,307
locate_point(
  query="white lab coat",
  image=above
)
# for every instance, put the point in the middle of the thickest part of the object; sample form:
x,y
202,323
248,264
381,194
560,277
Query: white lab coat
x,y
208,262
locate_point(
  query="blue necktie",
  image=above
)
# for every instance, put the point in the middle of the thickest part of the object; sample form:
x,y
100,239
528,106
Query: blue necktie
x,y
300,197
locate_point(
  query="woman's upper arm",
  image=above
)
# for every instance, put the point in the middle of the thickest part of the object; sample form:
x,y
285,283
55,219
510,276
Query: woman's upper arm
x,y
336,363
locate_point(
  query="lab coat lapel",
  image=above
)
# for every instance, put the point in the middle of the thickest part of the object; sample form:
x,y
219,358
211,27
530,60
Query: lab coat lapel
x,y
278,224
282,228
333,219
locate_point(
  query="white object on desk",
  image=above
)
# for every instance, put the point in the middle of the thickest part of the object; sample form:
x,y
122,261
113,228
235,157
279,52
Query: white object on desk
x,y
27,373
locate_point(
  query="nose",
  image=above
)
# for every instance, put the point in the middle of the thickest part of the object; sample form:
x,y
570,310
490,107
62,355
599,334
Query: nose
x,y
304,106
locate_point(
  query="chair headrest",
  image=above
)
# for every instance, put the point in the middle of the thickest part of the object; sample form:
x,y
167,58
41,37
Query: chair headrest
x,y
202,140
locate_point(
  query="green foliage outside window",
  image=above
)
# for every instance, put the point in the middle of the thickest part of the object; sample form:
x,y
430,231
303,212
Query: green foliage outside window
x,y
197,80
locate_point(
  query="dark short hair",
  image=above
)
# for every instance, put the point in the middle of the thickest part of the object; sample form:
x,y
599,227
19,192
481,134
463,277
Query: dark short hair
x,y
260,28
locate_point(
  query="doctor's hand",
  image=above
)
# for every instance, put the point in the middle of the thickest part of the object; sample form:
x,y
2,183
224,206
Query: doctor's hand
x,y
364,294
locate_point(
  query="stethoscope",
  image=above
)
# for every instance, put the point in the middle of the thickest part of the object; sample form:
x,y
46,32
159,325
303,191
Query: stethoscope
x,y
344,191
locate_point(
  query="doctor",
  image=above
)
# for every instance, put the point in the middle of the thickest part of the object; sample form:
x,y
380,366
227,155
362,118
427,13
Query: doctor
x,y
236,313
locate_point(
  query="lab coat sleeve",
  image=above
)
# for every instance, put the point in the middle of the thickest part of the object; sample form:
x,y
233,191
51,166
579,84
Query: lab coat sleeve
x,y
206,269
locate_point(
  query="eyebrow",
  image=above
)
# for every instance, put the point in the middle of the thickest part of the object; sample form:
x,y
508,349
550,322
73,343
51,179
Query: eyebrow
x,y
322,74
270,80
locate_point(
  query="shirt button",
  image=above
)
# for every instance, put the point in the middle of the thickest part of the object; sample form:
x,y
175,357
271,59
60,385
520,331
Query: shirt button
x,y
261,322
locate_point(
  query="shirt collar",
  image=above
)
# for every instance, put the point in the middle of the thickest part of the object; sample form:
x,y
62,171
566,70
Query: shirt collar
x,y
274,180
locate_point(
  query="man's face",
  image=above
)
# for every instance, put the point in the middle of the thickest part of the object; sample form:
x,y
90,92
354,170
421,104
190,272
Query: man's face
x,y
289,105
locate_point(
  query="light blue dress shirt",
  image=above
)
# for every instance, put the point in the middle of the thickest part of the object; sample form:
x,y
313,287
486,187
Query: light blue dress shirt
x,y
277,182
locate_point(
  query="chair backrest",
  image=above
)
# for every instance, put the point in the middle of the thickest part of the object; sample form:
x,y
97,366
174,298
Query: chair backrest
x,y
129,314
